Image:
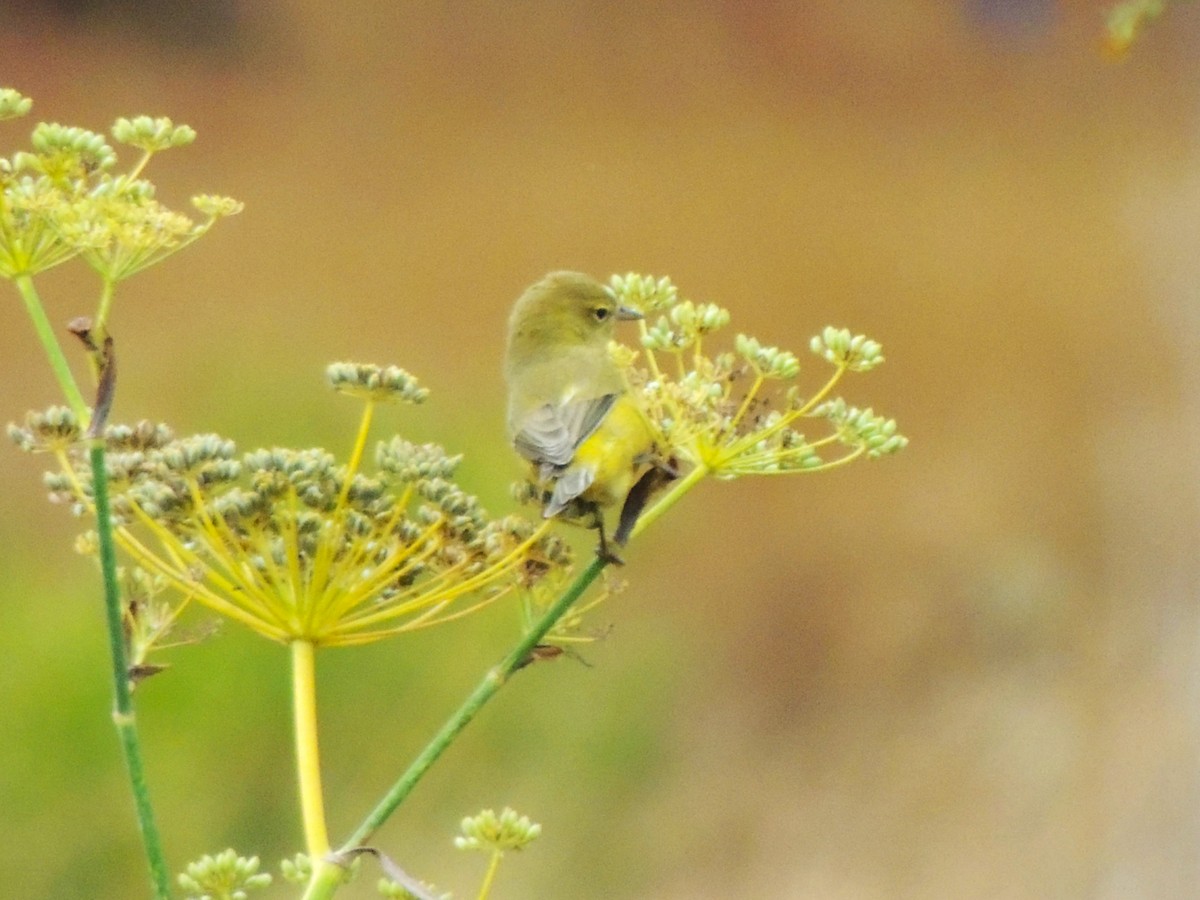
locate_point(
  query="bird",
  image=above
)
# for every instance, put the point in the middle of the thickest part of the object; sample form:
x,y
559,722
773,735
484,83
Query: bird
x,y
569,413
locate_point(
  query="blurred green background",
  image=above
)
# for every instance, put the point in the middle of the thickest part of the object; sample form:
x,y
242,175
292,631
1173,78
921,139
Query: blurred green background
x,y
968,671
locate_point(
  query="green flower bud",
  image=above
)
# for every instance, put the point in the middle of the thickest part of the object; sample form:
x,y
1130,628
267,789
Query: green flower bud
x,y
150,134
223,875
216,207
61,148
53,429
375,383
13,105
857,353
643,292
491,833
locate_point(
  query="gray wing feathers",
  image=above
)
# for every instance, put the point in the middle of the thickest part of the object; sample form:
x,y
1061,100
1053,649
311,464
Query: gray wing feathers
x,y
551,434
569,485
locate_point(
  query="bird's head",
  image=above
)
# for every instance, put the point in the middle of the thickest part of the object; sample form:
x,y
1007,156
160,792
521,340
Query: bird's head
x,y
564,310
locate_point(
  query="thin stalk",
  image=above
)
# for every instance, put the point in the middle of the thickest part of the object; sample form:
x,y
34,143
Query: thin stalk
x,y
820,395
651,361
308,757
107,286
318,589
746,401
124,717
669,499
360,444
327,877
141,164
489,877
58,360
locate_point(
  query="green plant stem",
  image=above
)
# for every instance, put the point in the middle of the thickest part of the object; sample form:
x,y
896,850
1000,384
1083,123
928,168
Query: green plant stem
x,y
107,286
669,499
327,876
58,360
124,717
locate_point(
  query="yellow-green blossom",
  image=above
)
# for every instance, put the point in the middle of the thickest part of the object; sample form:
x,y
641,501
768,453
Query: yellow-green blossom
x,y
735,412
13,105
63,198
493,833
225,875
294,544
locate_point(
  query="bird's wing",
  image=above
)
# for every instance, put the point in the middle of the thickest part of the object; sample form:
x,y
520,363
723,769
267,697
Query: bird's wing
x,y
551,433
569,485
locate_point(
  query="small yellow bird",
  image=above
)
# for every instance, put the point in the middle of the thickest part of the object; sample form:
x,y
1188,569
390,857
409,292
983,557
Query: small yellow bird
x,y
567,413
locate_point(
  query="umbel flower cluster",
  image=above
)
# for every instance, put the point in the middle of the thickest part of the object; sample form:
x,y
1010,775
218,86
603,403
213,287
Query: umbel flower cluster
x,y
63,198
736,411
292,543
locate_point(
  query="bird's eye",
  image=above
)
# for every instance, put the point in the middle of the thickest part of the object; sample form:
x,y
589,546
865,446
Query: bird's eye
x,y
601,313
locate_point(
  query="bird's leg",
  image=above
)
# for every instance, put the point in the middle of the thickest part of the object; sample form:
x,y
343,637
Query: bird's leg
x,y
639,495
603,551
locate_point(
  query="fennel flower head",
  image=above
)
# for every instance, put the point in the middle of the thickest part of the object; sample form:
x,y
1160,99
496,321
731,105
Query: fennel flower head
x,y
738,410
64,197
295,544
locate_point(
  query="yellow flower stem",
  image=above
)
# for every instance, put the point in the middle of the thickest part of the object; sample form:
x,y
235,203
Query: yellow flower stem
x,y
421,596
427,596
271,587
58,361
266,592
289,535
651,361
358,637
428,593
68,469
177,571
182,581
746,441
334,600
821,442
224,547
840,461
751,463
746,401
136,171
339,605
362,549
167,625
327,876
669,499
485,889
308,758
318,588
748,468
356,455
820,395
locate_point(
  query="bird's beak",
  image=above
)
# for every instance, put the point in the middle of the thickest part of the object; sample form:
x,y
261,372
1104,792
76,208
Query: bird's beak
x,y
624,313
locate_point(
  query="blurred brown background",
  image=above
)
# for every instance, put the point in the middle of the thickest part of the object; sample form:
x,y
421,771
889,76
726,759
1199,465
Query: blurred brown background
x,y
969,671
